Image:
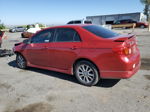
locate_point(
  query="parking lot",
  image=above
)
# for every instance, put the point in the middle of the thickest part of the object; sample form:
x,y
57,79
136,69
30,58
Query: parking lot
x,y
36,90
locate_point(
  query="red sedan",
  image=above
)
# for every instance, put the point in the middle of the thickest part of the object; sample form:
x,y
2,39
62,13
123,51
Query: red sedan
x,y
1,35
89,52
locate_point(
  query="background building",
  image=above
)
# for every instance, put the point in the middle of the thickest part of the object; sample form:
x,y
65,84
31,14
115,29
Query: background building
x,y
109,19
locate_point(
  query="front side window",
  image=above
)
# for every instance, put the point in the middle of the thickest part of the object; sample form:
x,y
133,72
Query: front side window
x,y
87,22
117,22
43,36
124,21
77,22
67,35
71,22
1,33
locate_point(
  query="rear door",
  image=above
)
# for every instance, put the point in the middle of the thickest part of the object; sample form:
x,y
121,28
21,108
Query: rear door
x,y
39,51
67,47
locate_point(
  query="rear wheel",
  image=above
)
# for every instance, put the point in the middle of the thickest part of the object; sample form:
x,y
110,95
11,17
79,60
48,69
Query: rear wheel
x,y
142,26
21,62
86,73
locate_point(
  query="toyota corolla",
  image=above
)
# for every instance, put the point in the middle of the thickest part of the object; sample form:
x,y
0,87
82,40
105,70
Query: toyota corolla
x,y
89,52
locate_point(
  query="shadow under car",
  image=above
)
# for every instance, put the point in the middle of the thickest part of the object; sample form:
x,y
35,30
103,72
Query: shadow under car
x,y
105,83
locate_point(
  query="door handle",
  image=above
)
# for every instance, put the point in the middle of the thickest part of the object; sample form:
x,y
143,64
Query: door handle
x,y
43,48
74,48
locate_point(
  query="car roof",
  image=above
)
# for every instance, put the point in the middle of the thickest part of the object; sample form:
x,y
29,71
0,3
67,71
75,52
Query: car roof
x,y
69,26
79,20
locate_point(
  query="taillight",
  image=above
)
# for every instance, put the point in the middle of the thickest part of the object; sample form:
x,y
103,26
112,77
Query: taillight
x,y
122,50
127,51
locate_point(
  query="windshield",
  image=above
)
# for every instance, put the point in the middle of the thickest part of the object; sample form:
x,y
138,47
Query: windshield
x,y
100,31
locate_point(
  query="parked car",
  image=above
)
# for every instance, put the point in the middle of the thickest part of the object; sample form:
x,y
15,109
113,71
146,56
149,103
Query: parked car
x,y
17,29
89,52
128,21
1,35
80,22
31,31
26,34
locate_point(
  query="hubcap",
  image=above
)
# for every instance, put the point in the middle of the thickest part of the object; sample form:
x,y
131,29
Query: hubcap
x,y
20,61
85,73
142,26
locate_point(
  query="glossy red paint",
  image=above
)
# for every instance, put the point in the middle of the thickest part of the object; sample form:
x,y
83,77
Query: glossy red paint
x,y
116,57
139,24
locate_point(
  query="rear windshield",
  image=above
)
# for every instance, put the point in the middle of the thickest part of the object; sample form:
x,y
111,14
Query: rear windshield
x,y
100,31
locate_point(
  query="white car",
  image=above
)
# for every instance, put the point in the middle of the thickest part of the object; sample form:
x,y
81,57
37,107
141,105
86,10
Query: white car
x,y
30,31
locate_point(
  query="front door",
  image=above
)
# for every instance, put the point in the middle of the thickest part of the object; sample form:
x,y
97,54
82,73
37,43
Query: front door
x,y
38,52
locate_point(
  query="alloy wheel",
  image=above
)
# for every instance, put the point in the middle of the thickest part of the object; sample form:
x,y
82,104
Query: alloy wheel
x,y
85,73
21,61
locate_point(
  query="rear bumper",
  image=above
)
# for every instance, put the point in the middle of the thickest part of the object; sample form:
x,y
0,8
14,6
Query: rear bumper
x,y
120,74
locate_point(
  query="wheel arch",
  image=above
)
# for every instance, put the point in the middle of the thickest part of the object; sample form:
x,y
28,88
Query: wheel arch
x,y
16,52
84,59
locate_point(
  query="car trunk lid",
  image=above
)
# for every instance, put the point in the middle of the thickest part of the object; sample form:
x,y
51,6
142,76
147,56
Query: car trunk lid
x,y
127,46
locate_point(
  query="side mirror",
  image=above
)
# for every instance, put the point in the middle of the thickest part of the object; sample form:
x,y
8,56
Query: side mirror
x,y
27,41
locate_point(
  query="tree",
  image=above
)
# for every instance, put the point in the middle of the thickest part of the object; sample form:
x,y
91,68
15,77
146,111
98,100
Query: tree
x,y
2,26
147,8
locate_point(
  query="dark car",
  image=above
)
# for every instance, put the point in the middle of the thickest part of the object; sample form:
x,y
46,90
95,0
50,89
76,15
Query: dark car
x,y
89,52
17,29
129,21
80,22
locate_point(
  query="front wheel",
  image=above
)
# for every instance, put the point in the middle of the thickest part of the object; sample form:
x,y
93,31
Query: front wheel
x,y
86,73
21,62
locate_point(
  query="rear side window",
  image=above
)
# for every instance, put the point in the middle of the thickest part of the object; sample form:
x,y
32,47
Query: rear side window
x,y
88,22
77,22
67,35
100,31
20,27
117,22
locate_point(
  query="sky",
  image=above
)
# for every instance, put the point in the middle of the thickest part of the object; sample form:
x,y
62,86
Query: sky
x,y
22,12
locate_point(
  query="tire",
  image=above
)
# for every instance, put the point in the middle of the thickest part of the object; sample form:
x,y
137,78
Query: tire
x,y
22,35
124,27
13,31
21,62
86,73
142,26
